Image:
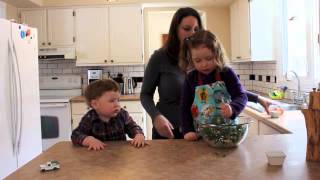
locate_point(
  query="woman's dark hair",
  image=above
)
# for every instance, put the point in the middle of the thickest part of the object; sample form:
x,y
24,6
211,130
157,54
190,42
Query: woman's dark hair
x,y
97,88
201,38
172,45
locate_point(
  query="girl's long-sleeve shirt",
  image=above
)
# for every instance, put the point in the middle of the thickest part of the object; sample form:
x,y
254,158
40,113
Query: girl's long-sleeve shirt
x,y
238,94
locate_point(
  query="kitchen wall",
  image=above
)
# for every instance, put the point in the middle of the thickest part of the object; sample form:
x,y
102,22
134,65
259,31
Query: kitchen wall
x,y
68,67
8,11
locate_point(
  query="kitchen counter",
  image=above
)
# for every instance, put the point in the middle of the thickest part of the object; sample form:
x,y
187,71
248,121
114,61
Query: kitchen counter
x,y
130,97
290,122
176,159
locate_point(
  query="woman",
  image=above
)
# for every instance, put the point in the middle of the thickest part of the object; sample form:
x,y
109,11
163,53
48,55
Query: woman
x,y
163,72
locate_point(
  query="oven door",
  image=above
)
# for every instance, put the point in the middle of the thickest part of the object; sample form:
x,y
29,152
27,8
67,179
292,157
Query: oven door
x,y
55,123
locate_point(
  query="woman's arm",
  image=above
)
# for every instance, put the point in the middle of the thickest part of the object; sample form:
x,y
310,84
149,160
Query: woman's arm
x,y
150,82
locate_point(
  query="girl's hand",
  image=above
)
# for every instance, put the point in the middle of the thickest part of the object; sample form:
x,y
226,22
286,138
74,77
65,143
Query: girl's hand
x,y
190,136
226,110
138,141
93,143
163,126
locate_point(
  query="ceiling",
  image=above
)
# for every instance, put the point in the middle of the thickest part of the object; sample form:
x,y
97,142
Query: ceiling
x,y
47,3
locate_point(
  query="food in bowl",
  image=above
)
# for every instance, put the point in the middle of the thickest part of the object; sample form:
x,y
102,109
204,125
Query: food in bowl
x,y
275,111
225,135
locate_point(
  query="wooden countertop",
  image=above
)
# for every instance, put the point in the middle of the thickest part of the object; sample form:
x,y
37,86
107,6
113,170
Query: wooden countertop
x,y
176,159
131,97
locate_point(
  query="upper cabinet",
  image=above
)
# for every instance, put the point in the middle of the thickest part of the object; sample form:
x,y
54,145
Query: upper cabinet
x,y
55,26
92,35
252,24
109,35
61,27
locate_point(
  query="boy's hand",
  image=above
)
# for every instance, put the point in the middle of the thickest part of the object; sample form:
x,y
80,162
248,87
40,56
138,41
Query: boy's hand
x,y
93,143
226,110
138,141
190,136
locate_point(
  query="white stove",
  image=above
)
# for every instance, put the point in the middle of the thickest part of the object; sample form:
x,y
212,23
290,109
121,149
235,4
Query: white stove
x,y
55,95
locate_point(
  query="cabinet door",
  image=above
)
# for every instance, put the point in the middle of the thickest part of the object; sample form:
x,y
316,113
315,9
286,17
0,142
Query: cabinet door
x,y
125,24
266,130
244,30
37,19
75,121
262,23
234,25
60,27
138,118
92,35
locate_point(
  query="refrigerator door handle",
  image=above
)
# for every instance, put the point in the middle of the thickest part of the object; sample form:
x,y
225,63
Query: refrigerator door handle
x,y
17,93
12,101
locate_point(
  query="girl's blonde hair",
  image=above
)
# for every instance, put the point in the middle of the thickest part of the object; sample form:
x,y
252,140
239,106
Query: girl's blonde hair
x,y
200,38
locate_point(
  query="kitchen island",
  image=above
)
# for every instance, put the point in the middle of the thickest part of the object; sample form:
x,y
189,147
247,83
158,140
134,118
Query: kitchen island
x,y
177,159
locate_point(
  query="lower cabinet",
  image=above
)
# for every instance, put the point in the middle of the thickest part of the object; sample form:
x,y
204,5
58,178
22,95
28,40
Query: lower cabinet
x,y
257,127
134,108
266,130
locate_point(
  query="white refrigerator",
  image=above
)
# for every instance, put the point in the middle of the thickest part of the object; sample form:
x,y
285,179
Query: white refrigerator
x,y
20,125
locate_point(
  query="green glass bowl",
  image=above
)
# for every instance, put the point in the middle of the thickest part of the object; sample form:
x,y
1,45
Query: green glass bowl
x,y
225,135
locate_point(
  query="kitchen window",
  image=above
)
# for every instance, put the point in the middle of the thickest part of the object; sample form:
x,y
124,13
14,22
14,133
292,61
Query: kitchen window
x,y
300,42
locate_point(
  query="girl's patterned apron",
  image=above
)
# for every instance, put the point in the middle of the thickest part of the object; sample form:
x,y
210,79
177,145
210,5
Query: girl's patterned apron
x,y
207,99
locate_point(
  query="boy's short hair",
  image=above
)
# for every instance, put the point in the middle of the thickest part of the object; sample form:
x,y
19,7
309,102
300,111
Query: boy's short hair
x,y
98,87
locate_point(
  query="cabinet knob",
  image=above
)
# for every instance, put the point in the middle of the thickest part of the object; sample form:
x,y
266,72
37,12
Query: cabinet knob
x,y
49,43
43,44
105,61
238,57
124,107
111,60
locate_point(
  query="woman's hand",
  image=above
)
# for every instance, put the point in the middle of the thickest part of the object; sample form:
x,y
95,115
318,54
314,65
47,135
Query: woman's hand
x,y
138,141
93,143
190,136
163,126
226,110
265,103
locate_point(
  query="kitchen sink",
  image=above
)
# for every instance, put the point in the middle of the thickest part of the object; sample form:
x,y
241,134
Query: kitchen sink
x,y
284,106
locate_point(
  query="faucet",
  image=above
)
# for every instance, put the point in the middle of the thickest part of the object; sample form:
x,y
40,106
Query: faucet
x,y
297,99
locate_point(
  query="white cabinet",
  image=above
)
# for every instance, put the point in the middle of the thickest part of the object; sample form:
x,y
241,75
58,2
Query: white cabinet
x,y
37,19
257,127
266,130
125,24
92,32
78,109
252,25
55,26
60,27
110,35
137,113
240,33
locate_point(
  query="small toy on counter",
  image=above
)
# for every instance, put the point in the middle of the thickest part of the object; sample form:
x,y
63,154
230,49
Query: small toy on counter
x,y
278,94
50,165
275,158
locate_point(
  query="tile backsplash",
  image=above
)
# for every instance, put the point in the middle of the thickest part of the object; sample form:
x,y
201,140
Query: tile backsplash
x,y
67,67
257,76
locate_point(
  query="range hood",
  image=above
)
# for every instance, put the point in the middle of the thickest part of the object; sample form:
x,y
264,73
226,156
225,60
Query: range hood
x,y
57,53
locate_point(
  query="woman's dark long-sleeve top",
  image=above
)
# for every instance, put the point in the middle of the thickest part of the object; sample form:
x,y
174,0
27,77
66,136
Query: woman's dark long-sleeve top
x,y
232,83
161,72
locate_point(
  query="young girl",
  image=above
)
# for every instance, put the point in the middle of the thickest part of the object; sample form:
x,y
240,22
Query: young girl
x,y
212,92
